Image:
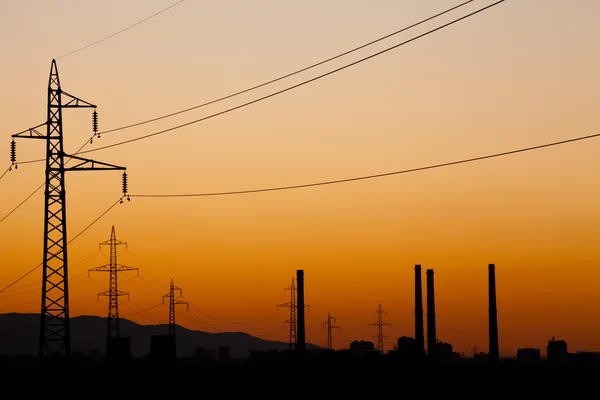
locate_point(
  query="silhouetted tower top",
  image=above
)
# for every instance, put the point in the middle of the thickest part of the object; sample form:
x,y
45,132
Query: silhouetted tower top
x,y
172,303
113,293
380,324
419,329
494,353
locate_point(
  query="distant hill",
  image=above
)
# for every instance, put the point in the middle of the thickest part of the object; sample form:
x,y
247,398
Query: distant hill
x,y
19,334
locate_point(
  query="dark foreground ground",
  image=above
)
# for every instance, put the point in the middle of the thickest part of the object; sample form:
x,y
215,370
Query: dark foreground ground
x,y
330,360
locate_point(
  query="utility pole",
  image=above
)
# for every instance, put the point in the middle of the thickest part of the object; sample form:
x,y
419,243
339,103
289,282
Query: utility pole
x,y
113,292
172,303
293,322
330,327
380,324
55,336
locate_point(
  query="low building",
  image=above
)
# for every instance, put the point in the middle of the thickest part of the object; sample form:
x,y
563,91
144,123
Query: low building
x,y
528,357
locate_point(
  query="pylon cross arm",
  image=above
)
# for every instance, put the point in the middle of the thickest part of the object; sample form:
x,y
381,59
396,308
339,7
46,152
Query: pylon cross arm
x,y
32,133
70,101
103,268
87,164
121,267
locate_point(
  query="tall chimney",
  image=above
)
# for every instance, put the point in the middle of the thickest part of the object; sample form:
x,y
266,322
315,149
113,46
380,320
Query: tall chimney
x,y
419,332
493,354
431,334
301,337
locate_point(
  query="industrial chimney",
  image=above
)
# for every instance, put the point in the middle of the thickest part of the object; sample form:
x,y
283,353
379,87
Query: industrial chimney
x,y
493,315
419,332
431,334
301,335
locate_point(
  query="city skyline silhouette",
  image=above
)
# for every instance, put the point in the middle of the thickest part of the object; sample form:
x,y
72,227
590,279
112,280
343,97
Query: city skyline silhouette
x,y
387,154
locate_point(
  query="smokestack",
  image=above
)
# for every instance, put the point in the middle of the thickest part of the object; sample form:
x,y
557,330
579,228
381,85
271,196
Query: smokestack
x,y
493,354
300,339
431,334
419,332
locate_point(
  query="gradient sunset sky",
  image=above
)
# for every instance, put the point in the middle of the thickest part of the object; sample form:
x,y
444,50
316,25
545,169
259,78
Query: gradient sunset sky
x,y
520,74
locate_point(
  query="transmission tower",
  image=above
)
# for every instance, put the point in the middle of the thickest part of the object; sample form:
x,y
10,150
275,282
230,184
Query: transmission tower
x,y
113,292
172,303
293,321
380,324
330,327
55,336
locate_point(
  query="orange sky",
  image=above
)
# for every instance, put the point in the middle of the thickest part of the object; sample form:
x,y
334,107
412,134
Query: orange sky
x,y
518,75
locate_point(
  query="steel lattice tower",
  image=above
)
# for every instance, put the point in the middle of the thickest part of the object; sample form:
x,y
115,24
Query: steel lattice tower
x,y
330,327
293,321
55,337
172,303
113,292
380,324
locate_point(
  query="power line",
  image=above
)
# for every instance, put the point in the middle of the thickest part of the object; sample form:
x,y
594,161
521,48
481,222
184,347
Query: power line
x,y
252,88
145,291
39,281
296,72
22,202
31,130
69,242
96,220
201,310
296,85
71,284
89,141
127,304
274,80
122,30
201,320
365,177
144,310
5,172
42,185
150,286
144,268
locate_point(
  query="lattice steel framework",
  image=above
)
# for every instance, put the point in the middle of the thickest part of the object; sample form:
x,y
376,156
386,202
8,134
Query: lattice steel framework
x,y
55,338
293,321
113,328
330,327
173,301
380,324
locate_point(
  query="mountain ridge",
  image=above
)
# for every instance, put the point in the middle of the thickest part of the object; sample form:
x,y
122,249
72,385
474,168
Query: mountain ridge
x,y
19,333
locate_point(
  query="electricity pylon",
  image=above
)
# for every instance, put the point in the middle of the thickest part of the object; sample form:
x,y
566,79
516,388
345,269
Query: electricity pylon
x,y
172,303
55,336
113,292
293,321
330,327
380,324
